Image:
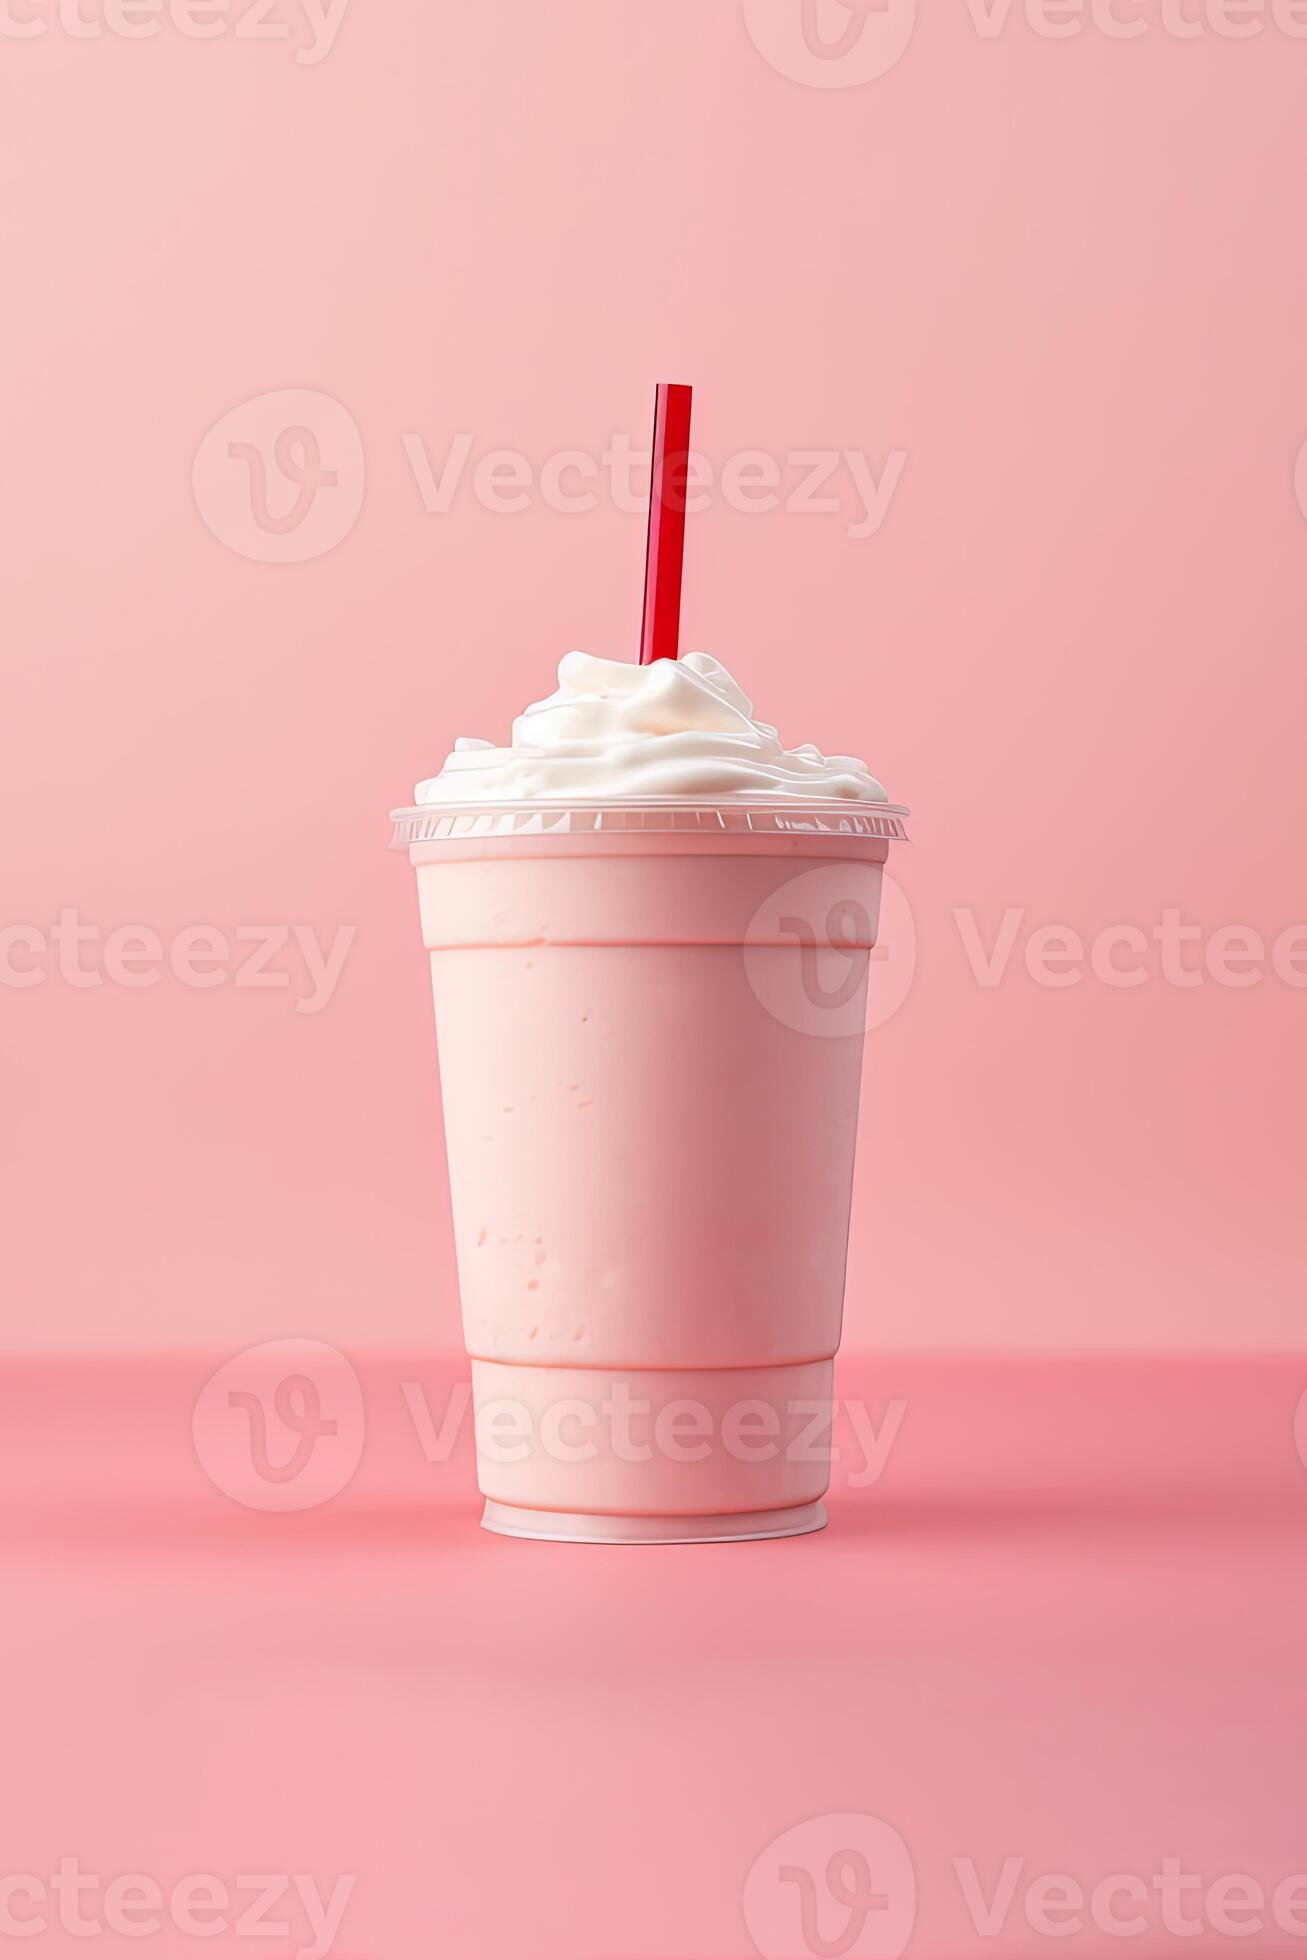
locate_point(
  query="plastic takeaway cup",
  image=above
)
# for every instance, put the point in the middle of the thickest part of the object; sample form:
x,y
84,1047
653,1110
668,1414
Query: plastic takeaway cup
x,y
650,1020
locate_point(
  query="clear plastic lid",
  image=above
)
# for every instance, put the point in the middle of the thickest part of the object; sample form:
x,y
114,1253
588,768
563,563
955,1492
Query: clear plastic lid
x,y
433,823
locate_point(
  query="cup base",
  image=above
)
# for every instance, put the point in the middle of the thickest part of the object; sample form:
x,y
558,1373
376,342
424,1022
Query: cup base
x,y
586,1528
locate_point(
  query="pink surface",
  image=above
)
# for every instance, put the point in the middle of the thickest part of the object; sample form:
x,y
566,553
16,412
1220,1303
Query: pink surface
x,y
1047,290
1063,1627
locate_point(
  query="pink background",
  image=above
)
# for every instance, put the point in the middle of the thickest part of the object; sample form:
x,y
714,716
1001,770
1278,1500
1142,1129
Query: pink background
x,y
1064,277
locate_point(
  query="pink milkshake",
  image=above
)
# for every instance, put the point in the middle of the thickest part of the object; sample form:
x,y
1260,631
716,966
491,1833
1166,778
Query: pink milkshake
x,y
649,927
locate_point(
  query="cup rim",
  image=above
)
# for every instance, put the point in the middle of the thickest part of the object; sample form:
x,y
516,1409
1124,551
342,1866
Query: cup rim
x,y
775,816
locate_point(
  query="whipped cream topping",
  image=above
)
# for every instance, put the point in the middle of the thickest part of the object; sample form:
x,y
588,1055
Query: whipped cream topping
x,y
615,729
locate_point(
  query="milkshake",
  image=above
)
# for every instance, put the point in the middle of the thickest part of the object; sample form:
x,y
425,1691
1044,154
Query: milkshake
x,y
639,913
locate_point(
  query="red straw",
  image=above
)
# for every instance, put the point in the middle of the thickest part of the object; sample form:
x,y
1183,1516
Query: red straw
x,y
665,551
